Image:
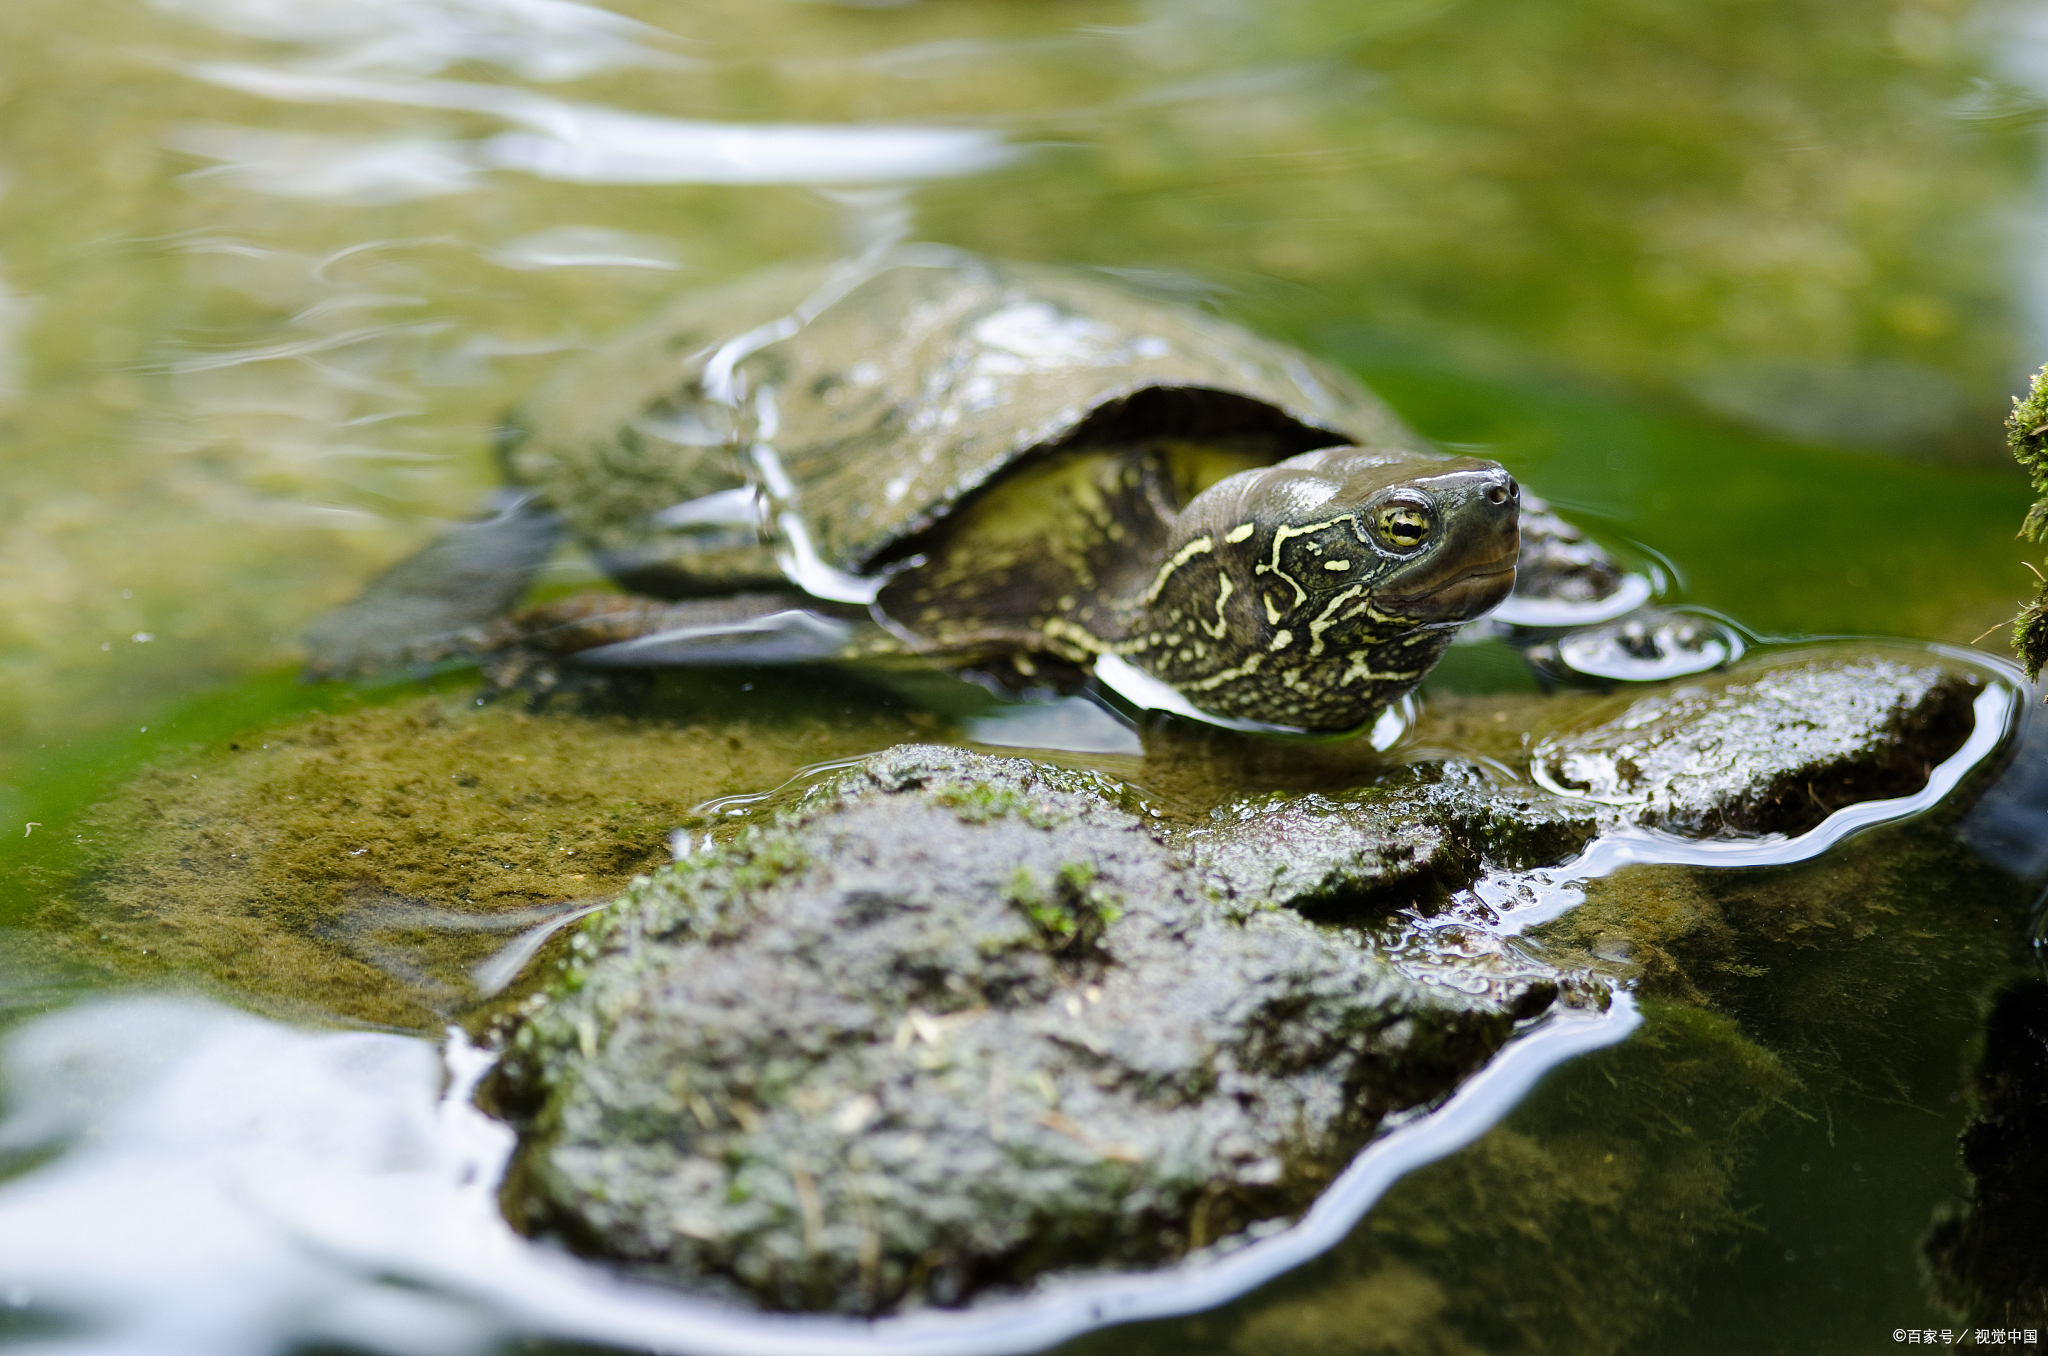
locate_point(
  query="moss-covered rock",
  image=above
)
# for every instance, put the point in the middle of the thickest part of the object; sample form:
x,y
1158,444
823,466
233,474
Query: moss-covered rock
x,y
946,1023
365,864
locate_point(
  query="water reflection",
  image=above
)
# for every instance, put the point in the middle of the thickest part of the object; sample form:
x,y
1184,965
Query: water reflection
x,y
15,313
1432,182
586,247
1532,900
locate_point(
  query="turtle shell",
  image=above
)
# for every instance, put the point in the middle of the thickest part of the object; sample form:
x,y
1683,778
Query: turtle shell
x,y
810,423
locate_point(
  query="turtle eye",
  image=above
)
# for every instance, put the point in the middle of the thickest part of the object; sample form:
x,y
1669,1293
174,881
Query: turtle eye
x,y
1404,526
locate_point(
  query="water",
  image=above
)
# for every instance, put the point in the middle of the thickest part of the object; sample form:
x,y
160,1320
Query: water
x,y
1743,290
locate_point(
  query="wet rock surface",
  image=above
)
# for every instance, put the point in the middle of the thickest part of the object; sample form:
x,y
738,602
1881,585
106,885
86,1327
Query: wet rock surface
x,y
1769,752
1414,838
950,1022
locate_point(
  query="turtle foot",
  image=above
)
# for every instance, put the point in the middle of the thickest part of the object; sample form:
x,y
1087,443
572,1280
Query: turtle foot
x,y
438,603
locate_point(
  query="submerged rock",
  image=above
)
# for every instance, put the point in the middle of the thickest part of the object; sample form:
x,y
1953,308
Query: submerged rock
x,y
1558,563
1769,752
947,1023
1985,1259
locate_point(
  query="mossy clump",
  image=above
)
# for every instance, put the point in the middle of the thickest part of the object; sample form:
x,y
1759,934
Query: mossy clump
x,y
2026,433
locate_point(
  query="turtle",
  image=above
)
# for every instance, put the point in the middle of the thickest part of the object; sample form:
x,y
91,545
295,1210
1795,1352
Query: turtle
x,y
1024,471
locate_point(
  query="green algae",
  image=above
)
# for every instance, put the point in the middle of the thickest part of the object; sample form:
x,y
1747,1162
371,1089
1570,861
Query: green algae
x,y
1568,1228
361,861
1833,961
1070,910
352,865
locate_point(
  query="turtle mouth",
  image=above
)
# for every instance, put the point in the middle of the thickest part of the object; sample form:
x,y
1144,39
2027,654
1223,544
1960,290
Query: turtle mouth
x,y
1467,595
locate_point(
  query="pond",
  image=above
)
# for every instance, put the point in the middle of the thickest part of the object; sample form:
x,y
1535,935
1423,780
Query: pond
x,y
1742,290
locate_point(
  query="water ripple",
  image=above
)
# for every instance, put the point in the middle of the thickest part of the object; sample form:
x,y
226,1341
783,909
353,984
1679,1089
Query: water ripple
x,y
534,39
594,144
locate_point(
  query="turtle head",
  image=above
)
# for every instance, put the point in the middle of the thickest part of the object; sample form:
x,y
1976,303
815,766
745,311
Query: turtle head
x,y
1433,543
1313,592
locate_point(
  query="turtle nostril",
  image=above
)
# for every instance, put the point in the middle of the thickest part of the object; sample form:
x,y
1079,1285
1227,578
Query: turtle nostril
x,y
1499,491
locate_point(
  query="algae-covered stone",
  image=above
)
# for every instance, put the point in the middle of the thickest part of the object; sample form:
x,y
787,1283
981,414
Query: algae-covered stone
x,y
947,1023
1767,752
1427,830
